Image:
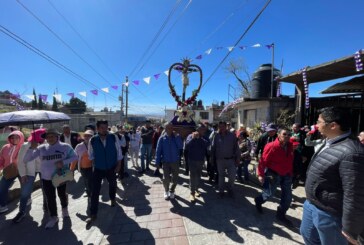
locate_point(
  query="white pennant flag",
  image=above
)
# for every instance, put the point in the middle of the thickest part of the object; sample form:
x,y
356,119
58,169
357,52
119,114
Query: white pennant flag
x,y
58,97
166,72
147,80
230,48
30,96
208,51
258,45
126,84
106,90
83,93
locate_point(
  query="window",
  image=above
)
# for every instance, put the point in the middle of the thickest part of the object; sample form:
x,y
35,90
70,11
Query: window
x,y
204,115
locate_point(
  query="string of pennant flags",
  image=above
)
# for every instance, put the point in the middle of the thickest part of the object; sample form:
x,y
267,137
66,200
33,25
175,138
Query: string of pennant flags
x,y
357,58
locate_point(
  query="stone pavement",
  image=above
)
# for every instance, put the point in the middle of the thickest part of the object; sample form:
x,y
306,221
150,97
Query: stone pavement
x,y
142,216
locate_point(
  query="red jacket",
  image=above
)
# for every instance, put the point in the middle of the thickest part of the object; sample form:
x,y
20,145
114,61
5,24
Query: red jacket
x,y
277,159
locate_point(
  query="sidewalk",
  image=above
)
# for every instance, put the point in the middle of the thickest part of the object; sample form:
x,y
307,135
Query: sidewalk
x,y
142,216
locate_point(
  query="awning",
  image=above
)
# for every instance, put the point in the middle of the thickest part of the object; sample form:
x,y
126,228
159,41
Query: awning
x,y
335,69
353,85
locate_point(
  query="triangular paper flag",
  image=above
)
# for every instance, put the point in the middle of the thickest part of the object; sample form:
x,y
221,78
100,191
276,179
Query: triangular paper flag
x,y
243,47
136,82
114,87
126,84
208,51
230,48
30,96
166,72
199,57
95,92
147,80
156,76
71,94
106,90
58,97
83,93
258,45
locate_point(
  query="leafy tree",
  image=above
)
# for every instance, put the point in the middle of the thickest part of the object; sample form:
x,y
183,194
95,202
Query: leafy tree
x,y
34,101
55,105
76,106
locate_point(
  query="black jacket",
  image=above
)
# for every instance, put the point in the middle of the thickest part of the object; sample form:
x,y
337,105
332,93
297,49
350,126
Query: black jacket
x,y
75,139
262,141
335,183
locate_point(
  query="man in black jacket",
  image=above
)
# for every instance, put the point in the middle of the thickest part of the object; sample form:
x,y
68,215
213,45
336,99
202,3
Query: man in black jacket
x,y
334,212
70,137
270,135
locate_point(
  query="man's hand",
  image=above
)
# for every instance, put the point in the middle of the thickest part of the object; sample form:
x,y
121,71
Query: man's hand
x,y
59,164
261,179
23,179
350,239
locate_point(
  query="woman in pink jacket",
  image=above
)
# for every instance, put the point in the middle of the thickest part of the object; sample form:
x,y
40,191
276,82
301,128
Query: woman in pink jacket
x,y
8,163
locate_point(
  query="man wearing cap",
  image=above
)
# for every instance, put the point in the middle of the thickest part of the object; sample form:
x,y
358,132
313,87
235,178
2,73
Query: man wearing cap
x,y
54,156
84,164
225,152
69,137
275,168
147,132
105,153
270,135
196,146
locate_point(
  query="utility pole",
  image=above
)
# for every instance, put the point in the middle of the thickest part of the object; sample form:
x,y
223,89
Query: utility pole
x,y
121,98
272,73
126,99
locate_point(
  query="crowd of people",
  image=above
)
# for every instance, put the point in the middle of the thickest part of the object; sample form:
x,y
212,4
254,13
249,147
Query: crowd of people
x,y
325,157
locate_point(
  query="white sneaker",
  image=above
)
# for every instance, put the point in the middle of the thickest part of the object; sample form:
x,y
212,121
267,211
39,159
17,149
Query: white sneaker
x,y
51,222
65,213
171,195
29,202
3,209
166,195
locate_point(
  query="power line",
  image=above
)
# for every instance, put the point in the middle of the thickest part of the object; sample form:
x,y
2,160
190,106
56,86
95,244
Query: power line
x,y
62,41
83,40
237,42
48,58
178,2
165,35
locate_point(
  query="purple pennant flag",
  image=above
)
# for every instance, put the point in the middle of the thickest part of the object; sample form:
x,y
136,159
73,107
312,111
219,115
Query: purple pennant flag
x,y
242,47
136,82
114,87
199,57
269,46
156,76
71,94
95,92
43,97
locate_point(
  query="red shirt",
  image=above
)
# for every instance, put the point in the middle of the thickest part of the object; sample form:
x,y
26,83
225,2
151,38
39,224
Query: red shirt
x,y
277,159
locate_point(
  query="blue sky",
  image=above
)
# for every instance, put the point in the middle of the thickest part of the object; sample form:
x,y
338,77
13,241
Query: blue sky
x,y
305,33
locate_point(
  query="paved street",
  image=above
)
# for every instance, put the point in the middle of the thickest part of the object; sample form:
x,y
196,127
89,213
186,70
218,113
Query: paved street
x,y
142,216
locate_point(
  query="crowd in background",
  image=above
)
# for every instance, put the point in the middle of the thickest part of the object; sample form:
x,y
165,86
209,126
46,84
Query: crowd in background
x,y
285,156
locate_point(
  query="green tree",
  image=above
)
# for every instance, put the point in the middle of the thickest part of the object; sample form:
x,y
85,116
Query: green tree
x,y
55,105
76,106
40,103
34,101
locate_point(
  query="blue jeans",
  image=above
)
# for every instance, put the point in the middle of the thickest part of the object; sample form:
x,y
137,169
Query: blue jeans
x,y
5,185
26,191
145,149
272,180
320,227
243,168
